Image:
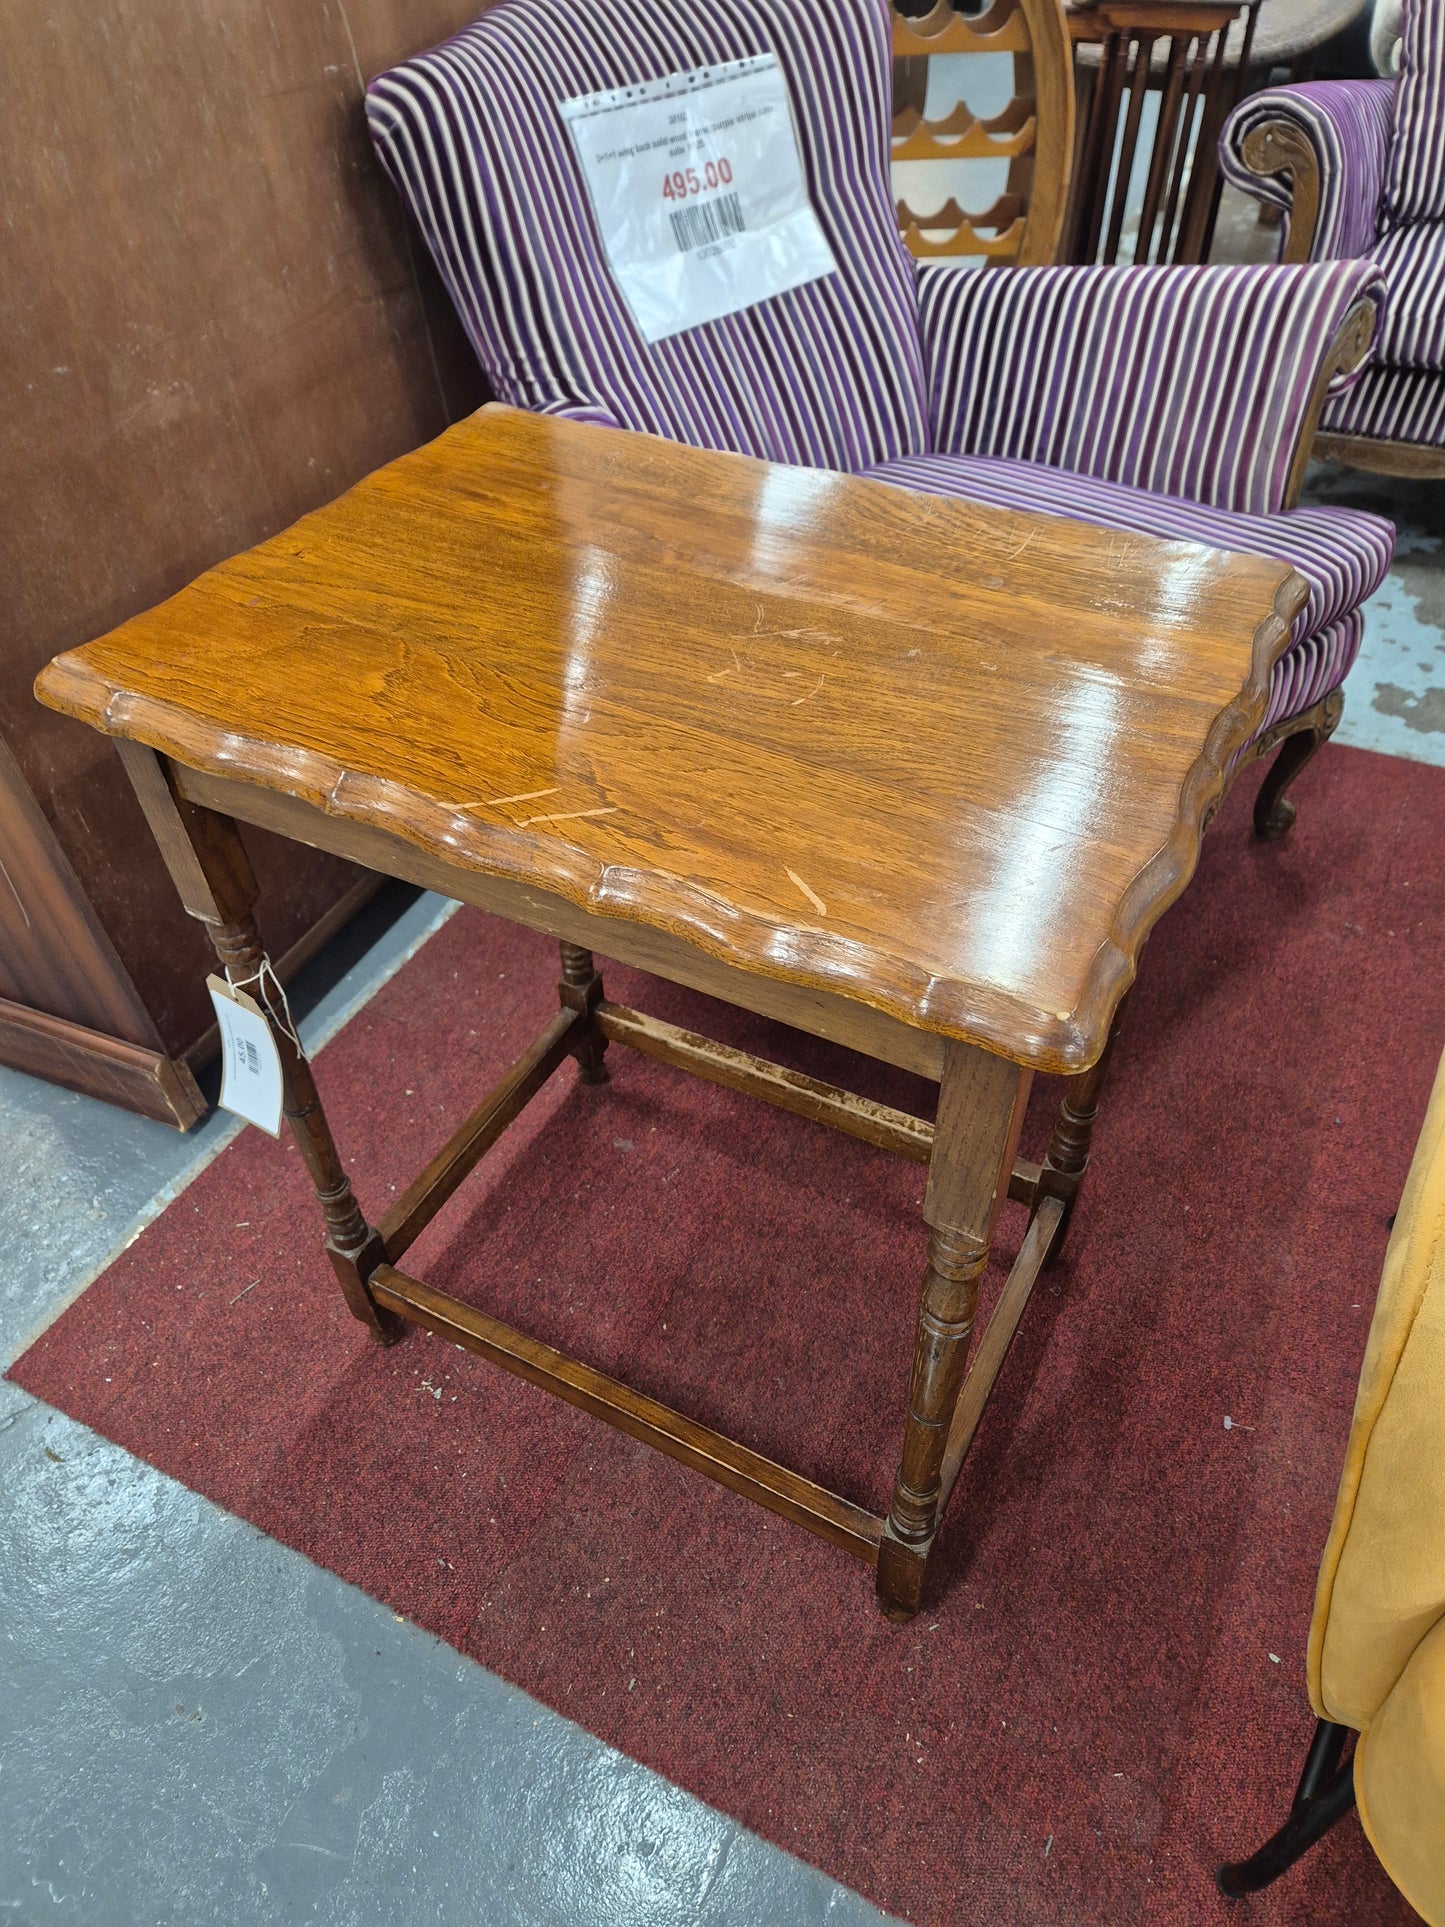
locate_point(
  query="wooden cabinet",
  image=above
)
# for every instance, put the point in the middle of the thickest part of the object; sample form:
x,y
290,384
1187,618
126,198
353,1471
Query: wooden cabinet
x,y
214,320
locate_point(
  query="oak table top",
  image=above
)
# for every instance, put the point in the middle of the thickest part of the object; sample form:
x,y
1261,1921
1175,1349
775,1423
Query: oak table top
x,y
951,762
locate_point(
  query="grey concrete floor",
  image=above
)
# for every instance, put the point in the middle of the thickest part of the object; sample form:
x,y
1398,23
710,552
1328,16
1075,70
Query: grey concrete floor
x,y
199,1726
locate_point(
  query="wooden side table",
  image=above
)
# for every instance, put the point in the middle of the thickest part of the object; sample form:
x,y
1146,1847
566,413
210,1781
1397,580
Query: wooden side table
x,y
1194,56
907,774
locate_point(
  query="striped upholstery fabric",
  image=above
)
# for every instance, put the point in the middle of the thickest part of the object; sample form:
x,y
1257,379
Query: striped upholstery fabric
x,y
1349,124
827,376
1309,670
1342,553
1192,382
1415,184
1392,405
1412,261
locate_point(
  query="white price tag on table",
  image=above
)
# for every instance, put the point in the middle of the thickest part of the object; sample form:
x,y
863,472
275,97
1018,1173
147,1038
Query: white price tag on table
x,y
698,190
250,1063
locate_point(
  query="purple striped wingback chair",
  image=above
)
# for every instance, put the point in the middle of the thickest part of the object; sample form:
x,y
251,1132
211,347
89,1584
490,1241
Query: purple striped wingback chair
x,y
1358,166
1180,402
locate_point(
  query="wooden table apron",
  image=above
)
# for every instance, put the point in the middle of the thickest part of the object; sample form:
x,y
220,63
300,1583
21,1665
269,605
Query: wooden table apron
x,y
932,784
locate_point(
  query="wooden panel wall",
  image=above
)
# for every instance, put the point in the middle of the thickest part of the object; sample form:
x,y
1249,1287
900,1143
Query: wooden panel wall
x,y
211,320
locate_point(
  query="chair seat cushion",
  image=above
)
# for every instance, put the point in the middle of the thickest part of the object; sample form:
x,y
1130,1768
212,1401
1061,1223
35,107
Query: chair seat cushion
x,y
1392,405
1309,670
1412,328
1342,553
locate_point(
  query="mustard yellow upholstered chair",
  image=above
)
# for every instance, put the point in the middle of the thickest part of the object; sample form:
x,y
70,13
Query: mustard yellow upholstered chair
x,y
1377,1642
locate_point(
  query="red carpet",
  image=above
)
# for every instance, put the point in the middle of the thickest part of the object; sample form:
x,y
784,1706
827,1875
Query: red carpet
x,y
1087,1714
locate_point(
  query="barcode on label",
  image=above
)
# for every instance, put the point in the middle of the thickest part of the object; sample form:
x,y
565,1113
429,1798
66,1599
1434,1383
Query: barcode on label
x,y
252,1056
701,226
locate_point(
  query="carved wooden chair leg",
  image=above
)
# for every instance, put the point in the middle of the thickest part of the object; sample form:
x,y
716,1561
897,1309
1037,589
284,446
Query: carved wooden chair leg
x,y
980,1111
581,990
209,865
1273,811
1325,1794
1063,1169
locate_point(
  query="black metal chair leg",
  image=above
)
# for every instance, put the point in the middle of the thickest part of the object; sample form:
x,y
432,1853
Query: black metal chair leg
x,y
1326,1749
1326,1793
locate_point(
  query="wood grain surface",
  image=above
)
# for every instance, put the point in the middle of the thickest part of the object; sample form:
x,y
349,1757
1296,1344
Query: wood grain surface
x,y
951,762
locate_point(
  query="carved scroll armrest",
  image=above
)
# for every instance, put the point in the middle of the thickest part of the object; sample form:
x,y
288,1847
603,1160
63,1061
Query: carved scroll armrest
x,y
595,412
1345,360
1199,382
1278,149
1318,152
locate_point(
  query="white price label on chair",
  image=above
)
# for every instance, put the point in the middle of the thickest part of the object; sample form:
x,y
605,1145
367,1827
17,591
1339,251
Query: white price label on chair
x,y
251,1085
699,194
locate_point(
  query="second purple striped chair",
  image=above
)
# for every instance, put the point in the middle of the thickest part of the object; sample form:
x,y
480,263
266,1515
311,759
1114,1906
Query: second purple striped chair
x,y
1178,402
1358,169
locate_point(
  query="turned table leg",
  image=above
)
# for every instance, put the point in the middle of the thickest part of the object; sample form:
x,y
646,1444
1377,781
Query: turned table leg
x,y
1068,1154
210,869
581,990
980,1111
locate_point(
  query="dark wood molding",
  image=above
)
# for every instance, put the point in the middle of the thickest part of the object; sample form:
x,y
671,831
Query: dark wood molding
x,y
1415,460
69,1011
54,954
88,1061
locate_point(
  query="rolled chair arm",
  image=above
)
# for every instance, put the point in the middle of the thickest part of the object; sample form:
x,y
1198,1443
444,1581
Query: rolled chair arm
x,y
1200,382
1319,152
579,411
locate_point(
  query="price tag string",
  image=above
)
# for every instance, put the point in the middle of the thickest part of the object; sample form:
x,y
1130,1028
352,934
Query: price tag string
x,y
271,995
